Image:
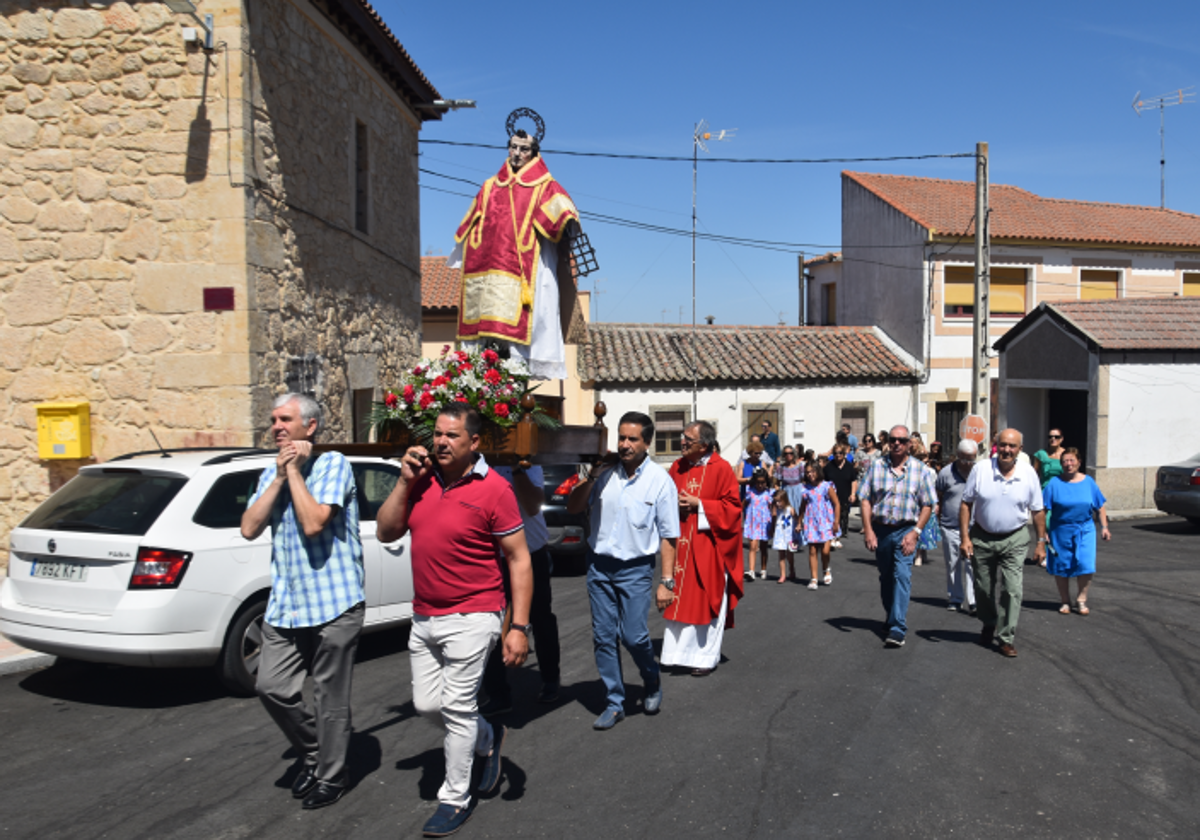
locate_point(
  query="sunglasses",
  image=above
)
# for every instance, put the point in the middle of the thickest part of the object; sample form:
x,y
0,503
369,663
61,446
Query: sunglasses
x,y
899,440
1055,437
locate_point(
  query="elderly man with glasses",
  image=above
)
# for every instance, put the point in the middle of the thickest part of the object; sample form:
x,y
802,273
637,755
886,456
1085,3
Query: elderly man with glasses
x,y
1000,498
898,496
707,581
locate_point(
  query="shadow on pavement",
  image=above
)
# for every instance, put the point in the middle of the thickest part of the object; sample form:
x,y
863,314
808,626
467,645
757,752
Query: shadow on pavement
x,y
381,644
363,758
432,764
959,636
1168,526
128,687
847,624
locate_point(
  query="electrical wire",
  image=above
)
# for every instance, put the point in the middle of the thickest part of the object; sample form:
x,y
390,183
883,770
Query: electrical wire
x,y
689,159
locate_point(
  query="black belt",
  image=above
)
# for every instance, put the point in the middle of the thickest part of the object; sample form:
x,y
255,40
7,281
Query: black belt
x,y
992,536
879,522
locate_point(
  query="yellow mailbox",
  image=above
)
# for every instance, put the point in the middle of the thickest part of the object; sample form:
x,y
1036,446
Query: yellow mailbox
x,y
64,430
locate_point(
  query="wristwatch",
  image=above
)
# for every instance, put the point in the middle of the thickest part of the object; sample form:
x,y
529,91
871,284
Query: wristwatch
x,y
524,628
669,583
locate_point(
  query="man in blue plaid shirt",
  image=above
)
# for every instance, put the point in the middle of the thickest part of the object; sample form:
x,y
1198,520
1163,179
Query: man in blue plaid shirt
x,y
898,494
315,612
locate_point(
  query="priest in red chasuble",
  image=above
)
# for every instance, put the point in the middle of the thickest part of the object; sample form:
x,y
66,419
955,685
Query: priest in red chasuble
x,y
708,566
508,245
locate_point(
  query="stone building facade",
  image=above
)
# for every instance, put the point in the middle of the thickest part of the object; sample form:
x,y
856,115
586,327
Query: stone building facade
x,y
186,233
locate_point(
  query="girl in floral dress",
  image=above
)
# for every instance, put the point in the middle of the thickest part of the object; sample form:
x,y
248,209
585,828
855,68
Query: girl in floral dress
x,y
819,513
757,520
785,527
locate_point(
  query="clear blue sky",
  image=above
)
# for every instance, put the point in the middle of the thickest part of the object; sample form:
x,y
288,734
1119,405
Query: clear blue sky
x,y
1048,85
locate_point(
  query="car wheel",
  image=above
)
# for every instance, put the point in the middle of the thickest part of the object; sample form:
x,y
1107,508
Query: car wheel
x,y
1195,520
238,666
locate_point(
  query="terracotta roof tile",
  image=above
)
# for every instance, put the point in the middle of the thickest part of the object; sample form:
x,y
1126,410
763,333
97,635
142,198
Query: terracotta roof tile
x,y
1166,323
828,257
948,207
661,353
440,286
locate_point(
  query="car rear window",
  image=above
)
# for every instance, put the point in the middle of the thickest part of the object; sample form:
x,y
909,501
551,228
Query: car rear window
x,y
109,501
226,501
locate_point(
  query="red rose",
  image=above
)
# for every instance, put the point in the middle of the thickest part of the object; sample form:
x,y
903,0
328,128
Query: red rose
x,y
491,356
466,366
408,393
492,377
390,400
501,410
426,399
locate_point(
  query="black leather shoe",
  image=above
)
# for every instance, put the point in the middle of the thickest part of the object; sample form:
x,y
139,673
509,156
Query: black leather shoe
x,y
323,794
305,782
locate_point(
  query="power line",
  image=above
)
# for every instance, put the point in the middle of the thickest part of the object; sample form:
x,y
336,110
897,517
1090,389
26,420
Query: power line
x,y
686,159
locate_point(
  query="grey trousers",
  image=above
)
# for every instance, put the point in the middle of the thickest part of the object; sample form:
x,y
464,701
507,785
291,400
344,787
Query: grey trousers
x,y
326,652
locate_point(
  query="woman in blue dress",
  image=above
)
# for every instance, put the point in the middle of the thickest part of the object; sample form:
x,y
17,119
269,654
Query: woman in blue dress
x,y
1071,500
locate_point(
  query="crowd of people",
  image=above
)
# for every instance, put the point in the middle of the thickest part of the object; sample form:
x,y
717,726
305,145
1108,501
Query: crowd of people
x,y
669,538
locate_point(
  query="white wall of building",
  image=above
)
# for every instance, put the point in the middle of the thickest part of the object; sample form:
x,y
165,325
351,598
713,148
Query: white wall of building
x,y
1153,414
815,408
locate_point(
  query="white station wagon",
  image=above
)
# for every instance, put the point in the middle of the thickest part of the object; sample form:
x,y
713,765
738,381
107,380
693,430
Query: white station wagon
x,y
140,561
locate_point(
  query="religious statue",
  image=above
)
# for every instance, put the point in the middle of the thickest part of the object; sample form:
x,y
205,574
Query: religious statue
x,y
515,270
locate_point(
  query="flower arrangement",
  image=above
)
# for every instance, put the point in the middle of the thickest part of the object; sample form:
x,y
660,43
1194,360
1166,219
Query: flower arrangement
x,y
483,379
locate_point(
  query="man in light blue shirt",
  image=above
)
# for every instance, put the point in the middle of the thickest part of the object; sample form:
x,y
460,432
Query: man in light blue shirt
x,y
634,510
315,612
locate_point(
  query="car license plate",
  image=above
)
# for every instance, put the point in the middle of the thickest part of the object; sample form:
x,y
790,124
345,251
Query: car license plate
x,y
1176,479
59,570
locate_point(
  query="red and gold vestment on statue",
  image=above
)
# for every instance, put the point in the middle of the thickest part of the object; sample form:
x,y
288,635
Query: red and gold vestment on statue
x,y
500,239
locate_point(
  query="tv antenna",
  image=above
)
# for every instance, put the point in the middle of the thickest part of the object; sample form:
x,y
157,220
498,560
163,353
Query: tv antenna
x,y
1182,96
701,137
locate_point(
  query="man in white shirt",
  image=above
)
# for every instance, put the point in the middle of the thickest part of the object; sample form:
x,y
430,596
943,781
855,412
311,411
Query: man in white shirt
x,y
634,510
1001,496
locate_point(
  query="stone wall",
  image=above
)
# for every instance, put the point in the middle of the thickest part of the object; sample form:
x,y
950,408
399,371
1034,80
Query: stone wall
x,y
324,289
136,171
114,210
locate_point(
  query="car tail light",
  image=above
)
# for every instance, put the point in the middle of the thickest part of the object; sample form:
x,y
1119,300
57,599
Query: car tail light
x,y
570,540
158,568
567,486
1195,478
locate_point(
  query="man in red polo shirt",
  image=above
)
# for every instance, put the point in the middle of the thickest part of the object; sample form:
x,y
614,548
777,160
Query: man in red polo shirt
x,y
462,517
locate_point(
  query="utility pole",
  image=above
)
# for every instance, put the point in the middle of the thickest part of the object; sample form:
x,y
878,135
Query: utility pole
x,y
700,137
981,368
803,295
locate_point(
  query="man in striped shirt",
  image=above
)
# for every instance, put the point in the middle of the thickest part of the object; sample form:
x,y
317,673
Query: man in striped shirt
x,y
898,494
315,612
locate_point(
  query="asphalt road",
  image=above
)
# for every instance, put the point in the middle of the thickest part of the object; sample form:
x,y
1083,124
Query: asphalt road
x,y
810,728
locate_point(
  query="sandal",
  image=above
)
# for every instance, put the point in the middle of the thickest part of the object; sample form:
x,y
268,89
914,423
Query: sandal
x,y
1065,609
812,584
828,579
1082,607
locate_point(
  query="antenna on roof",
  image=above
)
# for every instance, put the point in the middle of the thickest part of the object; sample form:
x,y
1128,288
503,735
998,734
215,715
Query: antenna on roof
x,y
1182,96
164,452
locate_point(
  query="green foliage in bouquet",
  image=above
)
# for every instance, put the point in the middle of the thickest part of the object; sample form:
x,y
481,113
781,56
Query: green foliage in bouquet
x,y
483,379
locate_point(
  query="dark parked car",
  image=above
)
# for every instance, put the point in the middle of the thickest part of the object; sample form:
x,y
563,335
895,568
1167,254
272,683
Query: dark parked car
x,y
568,531
1177,489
